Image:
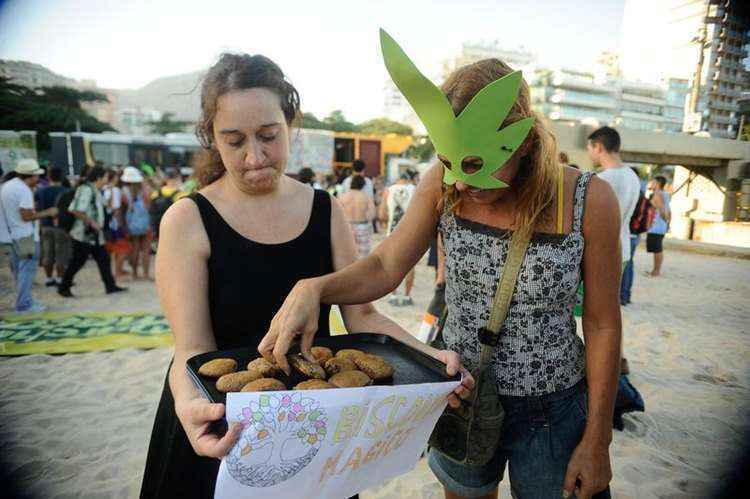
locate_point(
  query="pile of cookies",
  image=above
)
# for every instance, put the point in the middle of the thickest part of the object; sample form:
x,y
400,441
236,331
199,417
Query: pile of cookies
x,y
349,368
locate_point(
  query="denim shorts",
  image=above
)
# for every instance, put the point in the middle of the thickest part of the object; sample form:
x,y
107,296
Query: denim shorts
x,y
539,436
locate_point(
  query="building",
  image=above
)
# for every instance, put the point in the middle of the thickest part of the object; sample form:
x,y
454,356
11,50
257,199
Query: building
x,y
518,58
573,96
678,90
726,74
579,96
395,106
136,121
683,37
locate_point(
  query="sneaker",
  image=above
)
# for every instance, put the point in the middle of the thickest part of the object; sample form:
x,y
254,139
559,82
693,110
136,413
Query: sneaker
x,y
65,292
116,289
51,282
35,308
624,367
406,301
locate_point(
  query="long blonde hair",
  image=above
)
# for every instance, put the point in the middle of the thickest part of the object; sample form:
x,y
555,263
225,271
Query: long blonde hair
x,y
538,173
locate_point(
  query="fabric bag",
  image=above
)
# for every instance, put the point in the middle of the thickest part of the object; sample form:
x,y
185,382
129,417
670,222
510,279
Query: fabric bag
x,y
471,433
137,217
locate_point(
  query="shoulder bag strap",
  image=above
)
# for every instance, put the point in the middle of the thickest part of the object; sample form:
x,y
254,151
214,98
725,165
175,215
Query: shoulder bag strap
x,y
560,199
490,335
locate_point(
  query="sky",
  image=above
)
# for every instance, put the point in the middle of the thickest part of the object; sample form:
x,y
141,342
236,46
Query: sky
x,y
329,49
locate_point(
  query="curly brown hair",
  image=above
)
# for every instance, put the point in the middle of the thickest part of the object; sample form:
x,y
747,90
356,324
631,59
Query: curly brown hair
x,y
237,72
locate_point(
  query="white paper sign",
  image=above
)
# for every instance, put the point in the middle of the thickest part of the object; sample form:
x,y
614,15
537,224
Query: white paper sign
x,y
327,443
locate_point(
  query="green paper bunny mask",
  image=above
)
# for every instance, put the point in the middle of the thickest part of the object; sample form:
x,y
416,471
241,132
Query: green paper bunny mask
x,y
474,133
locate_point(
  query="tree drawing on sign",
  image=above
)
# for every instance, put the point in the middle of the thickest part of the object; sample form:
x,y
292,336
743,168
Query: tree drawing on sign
x,y
281,435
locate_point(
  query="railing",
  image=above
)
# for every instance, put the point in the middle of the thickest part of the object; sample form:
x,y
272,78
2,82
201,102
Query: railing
x,y
723,106
736,50
723,120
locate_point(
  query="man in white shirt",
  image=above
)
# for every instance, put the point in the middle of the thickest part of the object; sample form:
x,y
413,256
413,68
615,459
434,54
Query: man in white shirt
x,y
19,217
604,150
358,170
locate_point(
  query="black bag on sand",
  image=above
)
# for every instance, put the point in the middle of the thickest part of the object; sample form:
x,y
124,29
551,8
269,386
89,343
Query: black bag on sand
x,y
471,433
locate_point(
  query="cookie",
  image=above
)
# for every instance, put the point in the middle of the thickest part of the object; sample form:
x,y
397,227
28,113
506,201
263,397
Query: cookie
x,y
264,385
307,368
322,354
263,368
235,381
374,366
218,367
314,384
350,379
338,365
349,353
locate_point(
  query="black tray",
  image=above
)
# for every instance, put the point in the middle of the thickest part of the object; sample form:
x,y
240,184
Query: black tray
x,y
411,366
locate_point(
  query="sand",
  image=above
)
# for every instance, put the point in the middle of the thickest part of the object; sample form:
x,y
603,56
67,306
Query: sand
x,y
78,425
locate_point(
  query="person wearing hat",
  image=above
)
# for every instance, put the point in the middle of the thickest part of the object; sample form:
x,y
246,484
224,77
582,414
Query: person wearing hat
x,y
136,205
18,231
88,209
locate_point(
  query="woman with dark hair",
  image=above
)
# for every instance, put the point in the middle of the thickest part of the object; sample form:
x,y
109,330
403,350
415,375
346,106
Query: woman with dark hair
x,y
306,176
88,239
229,254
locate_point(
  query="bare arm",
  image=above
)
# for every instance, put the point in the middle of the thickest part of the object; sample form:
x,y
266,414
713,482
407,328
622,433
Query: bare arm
x,y
182,285
363,317
383,208
602,329
378,274
361,282
29,215
370,209
658,201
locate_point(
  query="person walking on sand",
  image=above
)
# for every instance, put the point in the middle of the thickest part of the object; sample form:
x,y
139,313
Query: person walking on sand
x,y
396,199
359,211
88,239
136,202
655,237
55,241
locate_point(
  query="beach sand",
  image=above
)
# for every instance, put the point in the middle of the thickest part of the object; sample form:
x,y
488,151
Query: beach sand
x,y
78,425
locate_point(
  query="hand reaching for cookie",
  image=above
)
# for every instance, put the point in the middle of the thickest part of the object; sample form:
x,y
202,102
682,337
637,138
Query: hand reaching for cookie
x,y
196,417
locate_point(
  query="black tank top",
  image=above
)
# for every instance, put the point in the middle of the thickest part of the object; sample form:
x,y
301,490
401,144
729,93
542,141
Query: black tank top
x,y
248,281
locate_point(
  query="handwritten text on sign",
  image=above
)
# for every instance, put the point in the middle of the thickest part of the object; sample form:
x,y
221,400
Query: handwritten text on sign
x,y
327,443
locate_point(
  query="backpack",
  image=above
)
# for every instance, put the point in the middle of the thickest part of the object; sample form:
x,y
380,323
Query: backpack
x,y
65,218
643,216
159,206
137,217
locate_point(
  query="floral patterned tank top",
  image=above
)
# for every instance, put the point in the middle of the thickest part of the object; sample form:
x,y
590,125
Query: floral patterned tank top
x,y
539,351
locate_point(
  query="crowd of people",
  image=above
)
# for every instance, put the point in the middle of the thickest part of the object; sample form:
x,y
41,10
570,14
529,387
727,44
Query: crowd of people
x,y
57,221
370,207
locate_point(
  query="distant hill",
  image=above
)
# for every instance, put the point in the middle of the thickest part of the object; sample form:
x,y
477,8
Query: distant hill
x,y
33,75
179,94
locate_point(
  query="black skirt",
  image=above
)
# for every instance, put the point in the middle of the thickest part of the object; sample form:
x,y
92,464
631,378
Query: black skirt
x,y
173,468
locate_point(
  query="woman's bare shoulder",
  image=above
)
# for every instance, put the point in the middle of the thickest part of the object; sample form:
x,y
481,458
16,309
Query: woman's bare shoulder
x,y
182,223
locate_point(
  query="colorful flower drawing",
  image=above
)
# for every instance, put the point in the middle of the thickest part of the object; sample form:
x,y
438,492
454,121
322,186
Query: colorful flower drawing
x,y
281,435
